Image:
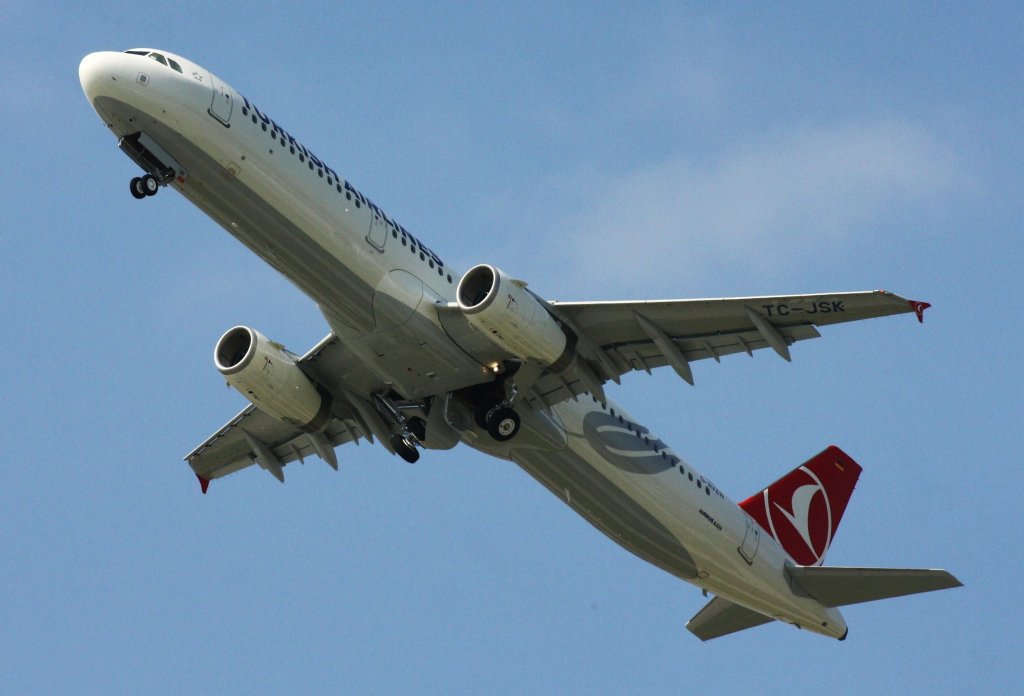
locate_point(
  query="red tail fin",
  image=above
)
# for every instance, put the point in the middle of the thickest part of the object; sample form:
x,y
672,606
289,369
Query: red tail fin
x,y
803,508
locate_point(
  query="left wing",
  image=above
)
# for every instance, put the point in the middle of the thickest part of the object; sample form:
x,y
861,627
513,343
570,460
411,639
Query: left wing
x,y
615,338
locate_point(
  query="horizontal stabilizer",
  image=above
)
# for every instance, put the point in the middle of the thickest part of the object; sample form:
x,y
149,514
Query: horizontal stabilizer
x,y
720,617
838,587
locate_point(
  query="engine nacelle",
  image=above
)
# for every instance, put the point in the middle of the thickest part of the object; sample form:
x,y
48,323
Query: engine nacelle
x,y
510,316
267,375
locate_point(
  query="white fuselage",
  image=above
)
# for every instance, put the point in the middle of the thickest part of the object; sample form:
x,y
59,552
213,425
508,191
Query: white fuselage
x,y
383,292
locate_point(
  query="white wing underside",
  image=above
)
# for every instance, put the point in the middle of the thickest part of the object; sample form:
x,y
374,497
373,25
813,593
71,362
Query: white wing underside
x,y
232,447
621,337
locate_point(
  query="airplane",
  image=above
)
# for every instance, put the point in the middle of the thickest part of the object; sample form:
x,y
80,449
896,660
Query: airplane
x,y
420,357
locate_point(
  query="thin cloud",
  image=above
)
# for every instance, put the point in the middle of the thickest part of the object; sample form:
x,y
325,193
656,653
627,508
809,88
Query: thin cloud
x,y
760,204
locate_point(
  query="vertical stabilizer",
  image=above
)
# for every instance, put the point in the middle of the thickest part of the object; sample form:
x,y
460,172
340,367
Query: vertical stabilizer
x,y
803,508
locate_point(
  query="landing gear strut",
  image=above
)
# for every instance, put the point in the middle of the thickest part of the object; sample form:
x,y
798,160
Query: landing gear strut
x,y
144,186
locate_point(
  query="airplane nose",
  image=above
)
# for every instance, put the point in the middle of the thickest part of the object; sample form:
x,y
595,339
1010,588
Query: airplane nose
x,y
97,71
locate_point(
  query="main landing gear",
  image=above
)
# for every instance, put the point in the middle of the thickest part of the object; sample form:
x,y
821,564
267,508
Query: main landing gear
x,y
405,447
143,186
499,420
494,405
410,431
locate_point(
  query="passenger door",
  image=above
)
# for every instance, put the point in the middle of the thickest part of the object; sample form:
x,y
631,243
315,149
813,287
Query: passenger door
x,y
751,540
223,102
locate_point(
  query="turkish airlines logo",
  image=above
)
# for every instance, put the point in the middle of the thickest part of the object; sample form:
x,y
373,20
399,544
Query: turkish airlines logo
x,y
800,518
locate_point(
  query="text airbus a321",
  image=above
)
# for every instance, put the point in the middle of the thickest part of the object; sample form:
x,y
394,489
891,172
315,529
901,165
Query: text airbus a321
x,y
422,357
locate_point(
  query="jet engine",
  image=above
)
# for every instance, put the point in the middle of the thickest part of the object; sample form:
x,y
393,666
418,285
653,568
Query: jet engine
x,y
268,376
510,316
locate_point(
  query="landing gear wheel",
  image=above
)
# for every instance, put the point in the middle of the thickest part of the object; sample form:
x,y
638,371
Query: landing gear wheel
x,y
405,448
503,424
136,188
149,185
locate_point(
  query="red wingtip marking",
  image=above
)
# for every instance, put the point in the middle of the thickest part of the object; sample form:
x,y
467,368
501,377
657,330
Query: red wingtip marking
x,y
919,308
203,483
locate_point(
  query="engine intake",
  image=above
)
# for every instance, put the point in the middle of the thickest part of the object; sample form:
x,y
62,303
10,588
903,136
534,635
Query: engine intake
x,y
510,316
269,377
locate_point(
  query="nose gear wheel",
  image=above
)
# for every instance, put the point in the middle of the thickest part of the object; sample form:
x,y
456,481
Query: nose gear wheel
x,y
142,186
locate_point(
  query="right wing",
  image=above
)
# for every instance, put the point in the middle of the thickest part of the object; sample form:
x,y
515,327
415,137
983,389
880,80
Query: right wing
x,y
255,437
249,436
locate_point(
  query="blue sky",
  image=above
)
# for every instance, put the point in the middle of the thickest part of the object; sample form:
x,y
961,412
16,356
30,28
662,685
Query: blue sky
x,y
600,152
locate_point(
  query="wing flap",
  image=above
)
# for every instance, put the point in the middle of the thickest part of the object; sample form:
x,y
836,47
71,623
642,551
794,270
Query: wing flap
x,y
642,355
720,617
839,587
646,356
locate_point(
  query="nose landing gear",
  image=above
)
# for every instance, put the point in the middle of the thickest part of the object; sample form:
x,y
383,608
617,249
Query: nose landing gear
x,y
144,186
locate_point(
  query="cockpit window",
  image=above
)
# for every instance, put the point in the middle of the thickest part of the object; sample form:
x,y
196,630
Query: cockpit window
x,y
159,58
